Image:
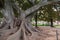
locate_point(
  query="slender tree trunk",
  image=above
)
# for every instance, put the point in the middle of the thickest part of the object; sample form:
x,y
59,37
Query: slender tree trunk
x,y
36,20
51,22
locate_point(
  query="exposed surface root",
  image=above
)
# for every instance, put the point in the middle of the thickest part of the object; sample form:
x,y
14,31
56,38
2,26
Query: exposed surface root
x,y
21,31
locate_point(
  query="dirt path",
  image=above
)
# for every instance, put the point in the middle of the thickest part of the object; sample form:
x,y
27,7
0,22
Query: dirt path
x,y
50,33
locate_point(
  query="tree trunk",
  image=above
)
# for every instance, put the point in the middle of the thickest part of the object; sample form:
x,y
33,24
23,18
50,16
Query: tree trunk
x,y
35,20
52,23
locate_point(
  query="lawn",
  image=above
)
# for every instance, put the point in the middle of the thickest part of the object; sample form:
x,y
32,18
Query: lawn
x,y
46,25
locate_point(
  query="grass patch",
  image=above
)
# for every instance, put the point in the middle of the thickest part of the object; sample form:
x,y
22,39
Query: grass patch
x,y
41,25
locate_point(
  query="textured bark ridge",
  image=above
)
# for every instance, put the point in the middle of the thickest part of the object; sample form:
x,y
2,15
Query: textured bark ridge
x,y
19,28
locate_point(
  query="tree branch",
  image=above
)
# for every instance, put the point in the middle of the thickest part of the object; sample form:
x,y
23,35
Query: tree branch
x,y
15,6
20,11
36,7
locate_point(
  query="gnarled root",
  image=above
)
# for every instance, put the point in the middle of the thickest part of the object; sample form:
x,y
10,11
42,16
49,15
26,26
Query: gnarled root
x,y
24,31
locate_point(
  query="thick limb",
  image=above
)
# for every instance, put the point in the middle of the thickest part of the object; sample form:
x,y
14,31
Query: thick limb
x,y
36,7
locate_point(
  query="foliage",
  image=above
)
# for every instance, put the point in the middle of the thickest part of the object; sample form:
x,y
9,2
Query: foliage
x,y
47,12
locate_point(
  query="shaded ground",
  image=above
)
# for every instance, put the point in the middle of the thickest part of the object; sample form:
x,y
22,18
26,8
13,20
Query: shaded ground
x,y
49,33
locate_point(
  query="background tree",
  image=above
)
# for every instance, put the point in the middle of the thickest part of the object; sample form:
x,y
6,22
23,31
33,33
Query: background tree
x,y
48,13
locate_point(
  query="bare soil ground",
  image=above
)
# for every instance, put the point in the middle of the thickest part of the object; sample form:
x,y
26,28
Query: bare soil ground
x,y
49,33
46,33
